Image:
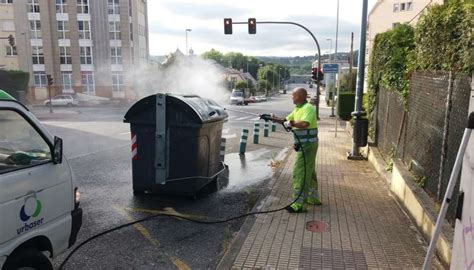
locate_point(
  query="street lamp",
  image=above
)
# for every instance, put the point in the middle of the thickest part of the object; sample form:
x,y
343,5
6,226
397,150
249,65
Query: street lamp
x,y
327,82
186,32
330,49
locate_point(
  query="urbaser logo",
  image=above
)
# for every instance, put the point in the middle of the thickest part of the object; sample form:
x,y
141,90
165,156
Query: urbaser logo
x,y
31,209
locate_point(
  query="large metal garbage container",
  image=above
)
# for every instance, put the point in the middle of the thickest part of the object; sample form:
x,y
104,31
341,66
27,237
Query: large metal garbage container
x,y
175,143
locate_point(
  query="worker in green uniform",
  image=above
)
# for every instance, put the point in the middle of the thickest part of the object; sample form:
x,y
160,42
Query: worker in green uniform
x,y
304,124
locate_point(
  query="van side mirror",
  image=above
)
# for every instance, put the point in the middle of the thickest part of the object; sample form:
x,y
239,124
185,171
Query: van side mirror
x,y
58,150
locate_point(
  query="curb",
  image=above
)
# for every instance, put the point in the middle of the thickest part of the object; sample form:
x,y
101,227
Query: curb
x,y
414,202
229,256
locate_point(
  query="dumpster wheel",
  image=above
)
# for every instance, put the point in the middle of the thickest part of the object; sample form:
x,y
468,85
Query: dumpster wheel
x,y
199,221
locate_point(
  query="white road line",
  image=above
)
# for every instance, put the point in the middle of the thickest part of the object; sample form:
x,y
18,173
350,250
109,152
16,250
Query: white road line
x,y
229,136
125,133
255,119
242,118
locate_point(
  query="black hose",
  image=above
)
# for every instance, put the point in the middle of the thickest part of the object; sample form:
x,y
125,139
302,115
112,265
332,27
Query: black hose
x,y
191,219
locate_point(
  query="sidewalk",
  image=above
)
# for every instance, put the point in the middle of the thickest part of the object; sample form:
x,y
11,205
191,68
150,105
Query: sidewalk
x,y
365,227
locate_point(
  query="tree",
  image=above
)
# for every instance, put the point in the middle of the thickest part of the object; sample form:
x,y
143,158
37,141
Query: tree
x,y
214,55
344,82
241,85
264,86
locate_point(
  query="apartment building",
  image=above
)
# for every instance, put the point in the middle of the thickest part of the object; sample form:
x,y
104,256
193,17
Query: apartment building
x,y
8,59
386,14
88,46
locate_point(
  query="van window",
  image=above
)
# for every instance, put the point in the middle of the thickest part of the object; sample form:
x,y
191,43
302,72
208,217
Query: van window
x,y
20,144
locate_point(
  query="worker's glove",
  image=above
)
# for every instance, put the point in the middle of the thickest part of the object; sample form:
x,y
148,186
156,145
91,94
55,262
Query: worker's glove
x,y
265,117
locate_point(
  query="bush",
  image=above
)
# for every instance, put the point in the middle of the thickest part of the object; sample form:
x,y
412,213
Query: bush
x,y
241,85
444,38
345,105
13,81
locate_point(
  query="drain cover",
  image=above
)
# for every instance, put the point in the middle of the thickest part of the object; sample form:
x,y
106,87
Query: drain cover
x,y
316,226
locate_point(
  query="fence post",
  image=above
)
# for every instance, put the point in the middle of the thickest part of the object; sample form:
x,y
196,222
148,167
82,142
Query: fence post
x,y
274,127
265,129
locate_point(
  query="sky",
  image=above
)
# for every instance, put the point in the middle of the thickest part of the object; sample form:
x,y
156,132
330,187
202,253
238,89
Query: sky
x,y
169,19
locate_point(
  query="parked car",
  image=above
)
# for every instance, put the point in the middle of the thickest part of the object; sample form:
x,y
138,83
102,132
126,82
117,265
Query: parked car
x,y
261,98
251,99
238,97
62,100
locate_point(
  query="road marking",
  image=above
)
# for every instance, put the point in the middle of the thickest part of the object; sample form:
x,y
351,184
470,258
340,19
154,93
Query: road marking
x,y
225,130
96,152
255,119
180,264
139,227
241,118
229,136
167,210
124,133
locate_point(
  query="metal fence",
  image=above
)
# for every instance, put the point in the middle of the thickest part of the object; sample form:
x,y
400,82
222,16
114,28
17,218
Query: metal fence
x,y
427,135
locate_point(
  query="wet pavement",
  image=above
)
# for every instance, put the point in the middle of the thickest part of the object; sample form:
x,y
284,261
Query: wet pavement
x,y
97,144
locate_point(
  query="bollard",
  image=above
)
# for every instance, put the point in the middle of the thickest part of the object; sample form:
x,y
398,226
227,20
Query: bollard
x,y
265,129
256,130
243,141
274,127
222,153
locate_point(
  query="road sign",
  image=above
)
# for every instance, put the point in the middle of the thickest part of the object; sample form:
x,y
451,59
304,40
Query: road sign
x,y
330,68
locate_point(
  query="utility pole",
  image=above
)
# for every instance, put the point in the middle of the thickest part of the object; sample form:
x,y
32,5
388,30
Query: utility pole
x,y
351,61
355,154
186,32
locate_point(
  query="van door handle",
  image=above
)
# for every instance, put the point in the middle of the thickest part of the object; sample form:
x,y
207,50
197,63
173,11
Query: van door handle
x,y
27,195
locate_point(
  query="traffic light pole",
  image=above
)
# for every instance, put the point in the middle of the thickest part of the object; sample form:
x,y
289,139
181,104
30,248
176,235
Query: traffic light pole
x,y
318,83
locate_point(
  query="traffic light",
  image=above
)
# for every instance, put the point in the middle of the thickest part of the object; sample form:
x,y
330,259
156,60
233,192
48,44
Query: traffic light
x,y
252,26
318,75
228,26
11,40
50,80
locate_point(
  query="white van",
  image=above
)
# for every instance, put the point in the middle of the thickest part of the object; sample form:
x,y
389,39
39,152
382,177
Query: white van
x,y
39,203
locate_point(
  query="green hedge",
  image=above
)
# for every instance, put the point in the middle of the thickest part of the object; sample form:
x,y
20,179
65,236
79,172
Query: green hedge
x,y
13,81
444,37
345,105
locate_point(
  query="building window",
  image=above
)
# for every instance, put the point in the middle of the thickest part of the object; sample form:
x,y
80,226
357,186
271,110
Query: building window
x,y
409,6
11,50
33,6
114,31
67,80
6,1
63,29
86,55
130,8
114,7
83,6
35,29
131,31
396,7
87,82
116,55
84,29
65,55
61,6
402,7
38,56
40,79
395,25
117,82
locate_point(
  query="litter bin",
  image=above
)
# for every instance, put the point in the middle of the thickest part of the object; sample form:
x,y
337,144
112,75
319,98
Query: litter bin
x,y
175,143
361,129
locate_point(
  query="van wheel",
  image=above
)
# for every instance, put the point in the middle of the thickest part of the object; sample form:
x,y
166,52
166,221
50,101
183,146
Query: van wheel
x,y
28,258
47,104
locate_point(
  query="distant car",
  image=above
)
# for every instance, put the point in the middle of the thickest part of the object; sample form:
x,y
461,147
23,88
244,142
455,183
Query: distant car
x,y
237,98
261,98
62,100
251,100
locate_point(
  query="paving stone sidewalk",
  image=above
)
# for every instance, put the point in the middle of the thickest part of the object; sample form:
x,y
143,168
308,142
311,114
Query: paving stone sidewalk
x,y
366,228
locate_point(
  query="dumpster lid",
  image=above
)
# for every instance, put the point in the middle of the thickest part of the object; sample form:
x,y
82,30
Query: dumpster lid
x,y
207,109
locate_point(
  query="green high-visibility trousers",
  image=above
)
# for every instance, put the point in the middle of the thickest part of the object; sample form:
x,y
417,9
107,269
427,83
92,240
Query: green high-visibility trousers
x,y
310,188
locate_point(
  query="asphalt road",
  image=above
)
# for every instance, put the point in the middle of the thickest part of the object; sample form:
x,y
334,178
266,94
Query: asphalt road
x,y
97,144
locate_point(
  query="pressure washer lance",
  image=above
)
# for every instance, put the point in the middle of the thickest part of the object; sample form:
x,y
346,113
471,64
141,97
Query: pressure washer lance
x,y
266,117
